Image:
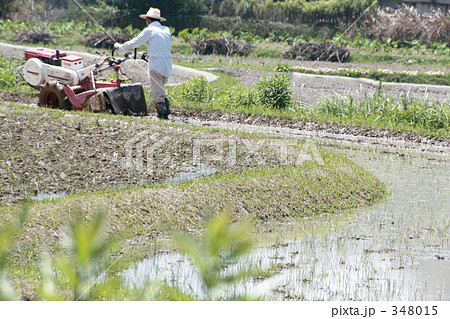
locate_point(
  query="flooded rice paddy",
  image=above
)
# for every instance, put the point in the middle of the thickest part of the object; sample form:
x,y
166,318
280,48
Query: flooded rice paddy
x,y
396,250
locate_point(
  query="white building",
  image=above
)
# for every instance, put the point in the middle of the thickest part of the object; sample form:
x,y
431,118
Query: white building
x,y
424,6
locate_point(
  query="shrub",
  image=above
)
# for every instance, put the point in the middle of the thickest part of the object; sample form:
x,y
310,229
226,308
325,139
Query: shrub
x,y
274,92
196,89
238,97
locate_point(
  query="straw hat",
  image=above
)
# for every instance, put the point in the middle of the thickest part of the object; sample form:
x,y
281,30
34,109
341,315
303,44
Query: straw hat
x,y
153,13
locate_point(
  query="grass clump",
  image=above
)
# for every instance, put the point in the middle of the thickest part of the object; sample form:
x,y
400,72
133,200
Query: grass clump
x,y
274,92
196,90
270,93
237,97
382,111
222,245
272,98
9,77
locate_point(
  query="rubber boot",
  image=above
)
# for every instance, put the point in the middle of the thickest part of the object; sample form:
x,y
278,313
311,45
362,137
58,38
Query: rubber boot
x,y
161,110
166,100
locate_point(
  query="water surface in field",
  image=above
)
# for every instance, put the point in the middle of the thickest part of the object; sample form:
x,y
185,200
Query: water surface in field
x,y
397,250
44,196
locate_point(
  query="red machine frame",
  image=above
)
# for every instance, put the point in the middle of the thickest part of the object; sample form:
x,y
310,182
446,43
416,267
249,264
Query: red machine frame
x,y
79,94
92,92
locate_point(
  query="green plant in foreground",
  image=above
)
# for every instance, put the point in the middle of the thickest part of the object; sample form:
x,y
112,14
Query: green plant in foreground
x,y
7,242
80,271
223,245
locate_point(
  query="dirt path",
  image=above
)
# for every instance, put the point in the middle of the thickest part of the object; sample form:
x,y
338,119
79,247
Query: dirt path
x,y
46,153
240,62
310,88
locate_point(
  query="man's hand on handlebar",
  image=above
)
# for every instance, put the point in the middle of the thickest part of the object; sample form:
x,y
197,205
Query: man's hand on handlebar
x,y
144,55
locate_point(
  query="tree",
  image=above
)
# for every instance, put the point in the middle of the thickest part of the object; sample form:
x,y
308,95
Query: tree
x,y
130,10
5,8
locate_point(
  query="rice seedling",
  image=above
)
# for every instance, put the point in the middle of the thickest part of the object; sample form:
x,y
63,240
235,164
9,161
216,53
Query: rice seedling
x,y
223,245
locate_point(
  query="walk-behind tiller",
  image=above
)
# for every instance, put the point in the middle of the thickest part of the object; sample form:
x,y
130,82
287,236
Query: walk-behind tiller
x,y
63,82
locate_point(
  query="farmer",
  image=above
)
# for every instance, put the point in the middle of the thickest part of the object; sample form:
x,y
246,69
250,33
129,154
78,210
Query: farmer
x,y
159,46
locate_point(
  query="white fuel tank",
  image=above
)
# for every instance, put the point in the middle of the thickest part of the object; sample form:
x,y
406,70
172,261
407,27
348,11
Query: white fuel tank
x,y
33,72
36,73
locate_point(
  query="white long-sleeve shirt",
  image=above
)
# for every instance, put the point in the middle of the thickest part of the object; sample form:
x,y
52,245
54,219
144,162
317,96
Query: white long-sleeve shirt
x,y
159,46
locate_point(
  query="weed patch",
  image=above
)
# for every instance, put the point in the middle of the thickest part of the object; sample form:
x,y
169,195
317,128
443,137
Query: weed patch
x,y
9,77
376,111
379,110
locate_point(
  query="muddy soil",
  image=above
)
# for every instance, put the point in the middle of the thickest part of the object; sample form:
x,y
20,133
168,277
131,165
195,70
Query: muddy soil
x,y
47,153
43,155
22,98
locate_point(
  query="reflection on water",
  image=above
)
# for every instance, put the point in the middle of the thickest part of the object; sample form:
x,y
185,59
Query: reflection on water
x,y
196,171
435,275
42,196
397,250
